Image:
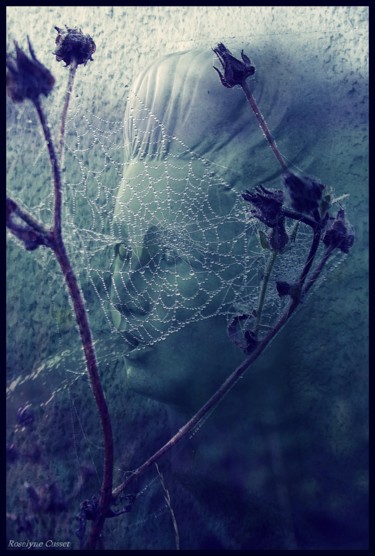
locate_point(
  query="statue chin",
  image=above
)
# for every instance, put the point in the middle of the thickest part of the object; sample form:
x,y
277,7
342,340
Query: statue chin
x,y
186,368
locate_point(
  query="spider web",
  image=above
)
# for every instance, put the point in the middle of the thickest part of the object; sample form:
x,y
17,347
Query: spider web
x,y
145,228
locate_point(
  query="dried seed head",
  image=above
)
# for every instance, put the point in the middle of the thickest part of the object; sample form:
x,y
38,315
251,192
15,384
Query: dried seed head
x,y
235,71
27,77
339,233
305,193
73,45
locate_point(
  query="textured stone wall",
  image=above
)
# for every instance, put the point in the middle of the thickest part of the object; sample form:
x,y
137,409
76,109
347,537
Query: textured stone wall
x,y
128,38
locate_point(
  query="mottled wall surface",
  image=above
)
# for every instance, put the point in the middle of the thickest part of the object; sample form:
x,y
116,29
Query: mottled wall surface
x,y
300,455
128,38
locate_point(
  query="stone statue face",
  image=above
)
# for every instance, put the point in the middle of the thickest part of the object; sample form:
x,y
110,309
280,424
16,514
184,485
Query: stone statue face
x,y
177,273
188,257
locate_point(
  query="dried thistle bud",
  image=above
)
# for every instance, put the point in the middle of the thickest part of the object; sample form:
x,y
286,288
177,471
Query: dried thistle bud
x,y
73,46
235,71
27,77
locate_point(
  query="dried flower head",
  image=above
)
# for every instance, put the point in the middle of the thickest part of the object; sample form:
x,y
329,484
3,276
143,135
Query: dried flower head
x,y
27,77
73,45
305,193
267,204
235,71
339,233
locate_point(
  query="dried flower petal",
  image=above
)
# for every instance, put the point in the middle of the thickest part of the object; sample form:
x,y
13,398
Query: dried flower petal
x,y
268,209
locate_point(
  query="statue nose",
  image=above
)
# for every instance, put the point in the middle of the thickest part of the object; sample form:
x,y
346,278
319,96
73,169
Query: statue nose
x,y
131,287
129,298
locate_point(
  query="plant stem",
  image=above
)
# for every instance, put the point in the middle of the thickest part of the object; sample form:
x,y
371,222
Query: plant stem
x,y
55,171
310,256
92,368
86,338
266,277
26,217
327,253
167,498
299,217
68,94
264,127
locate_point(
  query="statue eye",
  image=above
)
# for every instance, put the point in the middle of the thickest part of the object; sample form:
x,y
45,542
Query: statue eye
x,y
123,252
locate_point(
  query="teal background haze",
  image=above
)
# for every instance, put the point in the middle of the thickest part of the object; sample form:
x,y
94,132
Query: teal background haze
x,y
282,463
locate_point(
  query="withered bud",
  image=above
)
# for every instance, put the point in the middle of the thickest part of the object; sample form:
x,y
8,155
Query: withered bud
x,y
284,288
73,45
27,77
235,71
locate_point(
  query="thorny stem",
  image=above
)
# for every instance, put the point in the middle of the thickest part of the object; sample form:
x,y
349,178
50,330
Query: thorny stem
x,y
72,73
262,122
53,239
266,277
86,338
